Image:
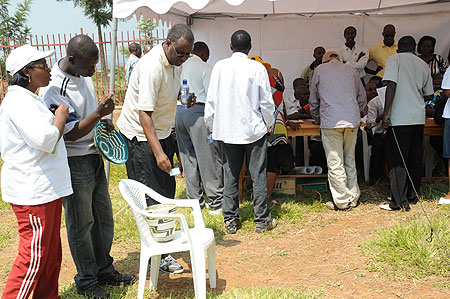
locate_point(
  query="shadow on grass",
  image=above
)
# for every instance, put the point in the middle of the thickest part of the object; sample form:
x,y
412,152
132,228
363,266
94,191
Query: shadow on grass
x,y
378,192
169,285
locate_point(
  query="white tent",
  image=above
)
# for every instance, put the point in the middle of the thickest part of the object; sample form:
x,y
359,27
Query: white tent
x,y
285,32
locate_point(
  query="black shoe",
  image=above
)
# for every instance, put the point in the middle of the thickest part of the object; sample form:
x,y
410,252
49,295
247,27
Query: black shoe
x,y
232,226
94,291
271,224
116,279
413,201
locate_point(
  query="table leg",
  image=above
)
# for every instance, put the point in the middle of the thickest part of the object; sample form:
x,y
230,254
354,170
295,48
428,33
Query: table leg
x,y
306,150
366,154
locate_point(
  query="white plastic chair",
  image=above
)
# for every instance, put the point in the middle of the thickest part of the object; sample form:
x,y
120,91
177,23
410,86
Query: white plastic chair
x,y
197,240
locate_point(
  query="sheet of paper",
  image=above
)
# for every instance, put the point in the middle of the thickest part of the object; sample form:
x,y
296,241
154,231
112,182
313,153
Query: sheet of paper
x,y
382,94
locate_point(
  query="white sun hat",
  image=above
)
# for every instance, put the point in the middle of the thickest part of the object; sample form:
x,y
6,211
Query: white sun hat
x,y
23,55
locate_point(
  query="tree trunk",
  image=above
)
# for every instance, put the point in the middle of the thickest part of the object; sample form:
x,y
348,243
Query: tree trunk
x,y
103,60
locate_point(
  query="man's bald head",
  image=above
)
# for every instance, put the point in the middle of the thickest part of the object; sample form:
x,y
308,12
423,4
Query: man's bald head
x,y
147,48
406,44
82,46
82,56
388,35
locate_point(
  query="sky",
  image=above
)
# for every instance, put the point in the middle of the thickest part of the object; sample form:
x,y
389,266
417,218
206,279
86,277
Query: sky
x,y
53,17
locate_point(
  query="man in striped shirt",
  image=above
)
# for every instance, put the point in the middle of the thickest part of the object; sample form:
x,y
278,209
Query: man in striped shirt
x,y
337,102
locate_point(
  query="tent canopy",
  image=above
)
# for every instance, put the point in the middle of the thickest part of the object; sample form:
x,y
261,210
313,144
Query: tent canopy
x,y
285,32
174,10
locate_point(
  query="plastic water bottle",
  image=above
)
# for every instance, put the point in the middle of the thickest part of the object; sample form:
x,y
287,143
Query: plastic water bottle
x,y
184,93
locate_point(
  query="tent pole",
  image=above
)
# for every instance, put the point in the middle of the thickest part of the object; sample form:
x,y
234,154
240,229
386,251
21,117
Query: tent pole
x,y
112,77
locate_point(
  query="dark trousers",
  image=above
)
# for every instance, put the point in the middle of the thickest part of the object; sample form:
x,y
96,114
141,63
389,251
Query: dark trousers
x,y
318,157
142,166
410,140
377,157
233,156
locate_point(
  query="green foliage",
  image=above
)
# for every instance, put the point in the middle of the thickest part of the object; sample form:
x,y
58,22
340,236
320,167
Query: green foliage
x,y
14,25
100,11
147,26
406,249
3,67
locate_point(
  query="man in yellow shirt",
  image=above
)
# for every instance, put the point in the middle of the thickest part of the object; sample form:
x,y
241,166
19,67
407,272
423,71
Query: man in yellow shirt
x,y
381,52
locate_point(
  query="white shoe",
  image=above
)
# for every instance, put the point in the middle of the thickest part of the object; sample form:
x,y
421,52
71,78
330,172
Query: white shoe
x,y
215,212
444,201
386,207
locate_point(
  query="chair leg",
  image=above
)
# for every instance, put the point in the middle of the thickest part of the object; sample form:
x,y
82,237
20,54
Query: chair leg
x,y
154,271
212,265
143,267
199,272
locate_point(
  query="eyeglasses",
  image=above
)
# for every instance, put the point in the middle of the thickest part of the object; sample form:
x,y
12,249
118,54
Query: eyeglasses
x,y
43,66
371,89
181,55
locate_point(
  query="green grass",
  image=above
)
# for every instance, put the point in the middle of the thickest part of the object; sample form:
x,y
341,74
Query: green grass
x,y
406,250
6,233
69,292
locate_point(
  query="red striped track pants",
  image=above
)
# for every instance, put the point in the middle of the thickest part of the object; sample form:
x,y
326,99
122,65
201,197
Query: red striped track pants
x,y
38,263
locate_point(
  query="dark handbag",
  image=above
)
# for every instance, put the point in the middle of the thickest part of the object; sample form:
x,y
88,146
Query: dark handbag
x,y
439,110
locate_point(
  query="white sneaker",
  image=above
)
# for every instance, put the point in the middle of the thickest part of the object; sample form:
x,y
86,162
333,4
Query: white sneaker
x,y
386,207
444,201
215,211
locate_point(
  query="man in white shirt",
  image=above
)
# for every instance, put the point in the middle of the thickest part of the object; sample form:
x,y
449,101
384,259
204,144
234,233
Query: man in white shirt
x,y
148,114
337,102
135,54
352,54
239,112
409,85
89,218
202,161
374,124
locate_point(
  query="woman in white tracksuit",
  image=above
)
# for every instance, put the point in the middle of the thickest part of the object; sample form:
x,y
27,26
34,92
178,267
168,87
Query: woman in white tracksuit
x,y
35,174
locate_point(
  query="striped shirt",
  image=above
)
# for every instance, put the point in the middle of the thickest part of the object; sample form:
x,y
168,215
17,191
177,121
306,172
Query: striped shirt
x,y
437,65
79,94
337,96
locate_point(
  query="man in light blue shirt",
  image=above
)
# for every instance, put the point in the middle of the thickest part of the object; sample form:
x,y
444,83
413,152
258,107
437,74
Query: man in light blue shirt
x,y
409,85
135,54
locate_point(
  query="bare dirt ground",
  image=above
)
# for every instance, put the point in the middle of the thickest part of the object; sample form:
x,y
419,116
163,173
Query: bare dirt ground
x,y
321,254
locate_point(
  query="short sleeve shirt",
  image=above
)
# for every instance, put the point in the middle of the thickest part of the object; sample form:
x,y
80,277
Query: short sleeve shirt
x,y
413,79
380,54
154,86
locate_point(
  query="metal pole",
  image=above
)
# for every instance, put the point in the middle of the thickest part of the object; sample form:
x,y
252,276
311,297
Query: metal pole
x,y
112,73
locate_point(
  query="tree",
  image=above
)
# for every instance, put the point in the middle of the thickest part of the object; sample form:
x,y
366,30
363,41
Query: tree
x,y
100,11
147,26
14,26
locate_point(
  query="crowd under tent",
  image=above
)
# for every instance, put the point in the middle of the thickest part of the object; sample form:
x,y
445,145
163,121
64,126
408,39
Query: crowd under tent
x,y
285,32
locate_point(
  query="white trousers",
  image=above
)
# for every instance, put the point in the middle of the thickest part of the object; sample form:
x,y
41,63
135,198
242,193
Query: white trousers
x,y
339,146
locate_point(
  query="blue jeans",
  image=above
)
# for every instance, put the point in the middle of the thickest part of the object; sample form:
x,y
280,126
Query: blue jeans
x,y
89,220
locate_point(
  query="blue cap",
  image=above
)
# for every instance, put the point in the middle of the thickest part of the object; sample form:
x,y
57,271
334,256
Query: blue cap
x,y
184,81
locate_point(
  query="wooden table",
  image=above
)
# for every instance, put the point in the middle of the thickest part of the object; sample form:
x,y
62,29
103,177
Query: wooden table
x,y
307,128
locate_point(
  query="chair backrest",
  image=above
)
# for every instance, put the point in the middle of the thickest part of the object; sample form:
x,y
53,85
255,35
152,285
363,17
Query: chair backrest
x,y
134,193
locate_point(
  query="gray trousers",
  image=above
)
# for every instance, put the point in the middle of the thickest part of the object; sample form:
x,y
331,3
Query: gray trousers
x,y
202,162
257,165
